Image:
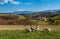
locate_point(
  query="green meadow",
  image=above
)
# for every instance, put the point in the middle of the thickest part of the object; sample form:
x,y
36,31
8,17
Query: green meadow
x,y
22,34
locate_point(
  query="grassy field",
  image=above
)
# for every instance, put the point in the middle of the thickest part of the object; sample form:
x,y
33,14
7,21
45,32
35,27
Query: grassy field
x,y
18,34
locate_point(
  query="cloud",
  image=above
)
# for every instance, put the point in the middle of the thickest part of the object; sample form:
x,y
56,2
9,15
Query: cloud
x,y
1,3
15,2
11,1
19,10
5,1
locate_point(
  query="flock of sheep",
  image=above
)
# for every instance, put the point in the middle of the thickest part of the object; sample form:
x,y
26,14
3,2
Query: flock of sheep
x,y
31,29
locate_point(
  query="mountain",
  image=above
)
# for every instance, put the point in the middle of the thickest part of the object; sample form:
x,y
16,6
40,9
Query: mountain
x,y
52,11
47,13
23,12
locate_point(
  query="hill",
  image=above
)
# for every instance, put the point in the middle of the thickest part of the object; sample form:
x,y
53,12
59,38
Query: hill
x,y
28,18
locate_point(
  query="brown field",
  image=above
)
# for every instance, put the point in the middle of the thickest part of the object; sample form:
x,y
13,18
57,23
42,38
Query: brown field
x,y
22,27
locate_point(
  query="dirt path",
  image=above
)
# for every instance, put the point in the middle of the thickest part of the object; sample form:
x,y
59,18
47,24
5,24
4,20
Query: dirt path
x,y
21,27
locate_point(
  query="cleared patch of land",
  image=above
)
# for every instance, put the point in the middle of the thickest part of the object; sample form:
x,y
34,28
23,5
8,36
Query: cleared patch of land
x,y
22,27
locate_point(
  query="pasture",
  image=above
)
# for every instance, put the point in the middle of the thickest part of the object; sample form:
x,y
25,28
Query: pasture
x,y
20,34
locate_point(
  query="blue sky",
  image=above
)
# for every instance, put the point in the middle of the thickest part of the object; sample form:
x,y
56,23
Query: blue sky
x,y
28,5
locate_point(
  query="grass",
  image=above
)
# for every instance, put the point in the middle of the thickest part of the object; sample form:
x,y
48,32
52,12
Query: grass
x,y
19,34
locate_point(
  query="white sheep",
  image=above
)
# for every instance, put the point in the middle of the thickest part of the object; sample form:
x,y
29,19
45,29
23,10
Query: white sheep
x,y
30,29
37,28
47,29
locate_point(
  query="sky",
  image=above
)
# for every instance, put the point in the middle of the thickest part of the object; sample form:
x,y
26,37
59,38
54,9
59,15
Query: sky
x,y
28,5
